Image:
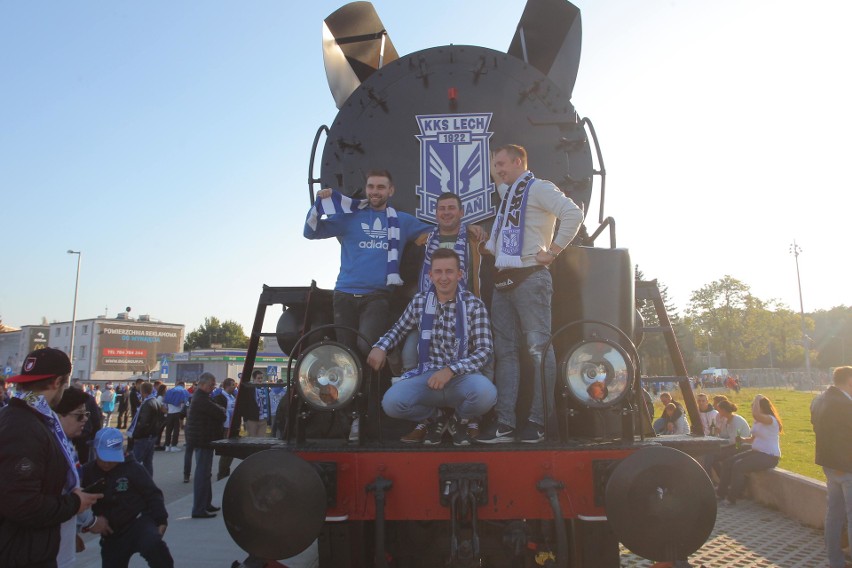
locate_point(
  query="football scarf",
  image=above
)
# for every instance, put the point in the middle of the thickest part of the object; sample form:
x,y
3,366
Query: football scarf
x,y
427,328
507,234
38,403
432,244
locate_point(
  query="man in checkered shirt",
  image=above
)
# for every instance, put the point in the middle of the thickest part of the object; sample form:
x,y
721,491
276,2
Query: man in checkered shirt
x,y
453,352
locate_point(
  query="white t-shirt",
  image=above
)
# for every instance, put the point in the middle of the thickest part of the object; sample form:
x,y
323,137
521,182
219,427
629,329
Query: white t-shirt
x,y
767,437
707,419
737,426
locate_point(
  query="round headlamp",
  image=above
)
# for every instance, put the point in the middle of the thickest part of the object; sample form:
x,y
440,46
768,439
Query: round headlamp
x,y
597,373
328,375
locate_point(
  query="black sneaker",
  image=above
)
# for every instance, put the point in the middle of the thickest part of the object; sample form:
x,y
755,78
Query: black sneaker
x,y
459,431
497,433
435,431
532,433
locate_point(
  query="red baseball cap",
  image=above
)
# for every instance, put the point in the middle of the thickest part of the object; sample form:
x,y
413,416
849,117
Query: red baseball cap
x,y
41,364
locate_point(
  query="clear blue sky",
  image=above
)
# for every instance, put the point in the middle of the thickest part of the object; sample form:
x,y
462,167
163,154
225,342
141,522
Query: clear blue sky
x,y
169,142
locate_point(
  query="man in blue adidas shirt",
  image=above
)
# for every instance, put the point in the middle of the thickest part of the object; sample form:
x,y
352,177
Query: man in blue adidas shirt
x,y
369,259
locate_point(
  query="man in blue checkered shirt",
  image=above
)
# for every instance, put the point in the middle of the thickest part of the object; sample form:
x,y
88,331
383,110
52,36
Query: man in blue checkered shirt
x,y
455,344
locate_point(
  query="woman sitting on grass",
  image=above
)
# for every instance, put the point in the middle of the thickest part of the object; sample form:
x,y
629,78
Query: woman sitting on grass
x,y
764,453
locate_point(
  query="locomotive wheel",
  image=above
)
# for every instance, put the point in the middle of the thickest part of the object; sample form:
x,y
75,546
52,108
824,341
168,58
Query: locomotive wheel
x,y
274,504
661,504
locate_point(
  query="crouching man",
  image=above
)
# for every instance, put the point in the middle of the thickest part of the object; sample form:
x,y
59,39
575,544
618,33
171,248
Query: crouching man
x,y
132,504
454,345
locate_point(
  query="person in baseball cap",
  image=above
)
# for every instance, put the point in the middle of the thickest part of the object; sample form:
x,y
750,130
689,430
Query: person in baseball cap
x,y
46,363
109,445
34,452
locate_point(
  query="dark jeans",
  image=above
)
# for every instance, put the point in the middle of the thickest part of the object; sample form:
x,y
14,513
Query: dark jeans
x,y
172,429
368,313
143,451
733,480
202,485
187,460
143,537
122,416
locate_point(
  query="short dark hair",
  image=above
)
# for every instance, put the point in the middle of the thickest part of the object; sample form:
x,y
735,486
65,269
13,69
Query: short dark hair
x,y
257,373
206,378
449,195
514,150
228,382
842,375
71,399
446,253
146,388
379,173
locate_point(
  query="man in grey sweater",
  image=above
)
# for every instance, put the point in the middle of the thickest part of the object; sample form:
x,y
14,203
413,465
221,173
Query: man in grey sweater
x,y
524,244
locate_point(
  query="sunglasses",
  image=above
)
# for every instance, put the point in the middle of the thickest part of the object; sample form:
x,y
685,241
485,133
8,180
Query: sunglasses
x,y
81,416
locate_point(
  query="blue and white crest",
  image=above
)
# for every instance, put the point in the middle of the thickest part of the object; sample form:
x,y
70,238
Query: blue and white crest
x,y
454,157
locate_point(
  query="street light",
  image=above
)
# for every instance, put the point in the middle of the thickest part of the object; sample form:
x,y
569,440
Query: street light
x,y
709,352
795,250
74,313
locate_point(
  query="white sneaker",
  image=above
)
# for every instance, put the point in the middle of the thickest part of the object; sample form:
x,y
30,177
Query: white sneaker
x,y
354,430
170,448
177,449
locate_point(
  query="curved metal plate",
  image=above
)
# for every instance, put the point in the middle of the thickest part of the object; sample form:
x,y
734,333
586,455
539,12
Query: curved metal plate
x,y
274,504
661,504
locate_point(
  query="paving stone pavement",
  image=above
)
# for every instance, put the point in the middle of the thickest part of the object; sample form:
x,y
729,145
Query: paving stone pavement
x,y
750,535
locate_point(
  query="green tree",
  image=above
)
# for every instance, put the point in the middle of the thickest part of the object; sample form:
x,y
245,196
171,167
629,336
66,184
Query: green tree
x,y
716,315
228,334
833,336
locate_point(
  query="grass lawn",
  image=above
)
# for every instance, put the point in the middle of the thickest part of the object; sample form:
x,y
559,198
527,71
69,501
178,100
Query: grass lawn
x,y
797,439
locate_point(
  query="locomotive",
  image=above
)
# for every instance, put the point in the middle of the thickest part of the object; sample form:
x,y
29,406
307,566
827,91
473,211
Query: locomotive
x,y
601,477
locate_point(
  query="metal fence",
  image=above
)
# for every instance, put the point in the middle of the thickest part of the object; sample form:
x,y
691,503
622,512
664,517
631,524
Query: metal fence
x,y
799,379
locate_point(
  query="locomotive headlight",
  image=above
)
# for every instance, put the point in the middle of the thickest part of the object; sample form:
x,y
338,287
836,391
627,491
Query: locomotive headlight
x,y
597,373
328,375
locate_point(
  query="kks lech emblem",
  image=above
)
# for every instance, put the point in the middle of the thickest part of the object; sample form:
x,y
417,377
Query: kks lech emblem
x,y
454,157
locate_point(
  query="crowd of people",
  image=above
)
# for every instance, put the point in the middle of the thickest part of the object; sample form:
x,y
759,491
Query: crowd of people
x,y
106,486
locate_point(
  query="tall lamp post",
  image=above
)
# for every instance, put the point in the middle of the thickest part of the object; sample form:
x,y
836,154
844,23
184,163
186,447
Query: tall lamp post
x,y
74,313
795,250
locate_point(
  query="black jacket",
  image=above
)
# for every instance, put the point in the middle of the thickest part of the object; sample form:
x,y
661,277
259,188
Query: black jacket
x,y
32,476
129,492
204,423
831,415
151,416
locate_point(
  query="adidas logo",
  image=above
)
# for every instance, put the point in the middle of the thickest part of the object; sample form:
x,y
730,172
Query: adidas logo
x,y
377,232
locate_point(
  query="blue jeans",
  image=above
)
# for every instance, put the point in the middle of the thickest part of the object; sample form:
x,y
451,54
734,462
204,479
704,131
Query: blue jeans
x,y
202,485
368,313
520,319
732,480
141,536
472,395
839,511
143,451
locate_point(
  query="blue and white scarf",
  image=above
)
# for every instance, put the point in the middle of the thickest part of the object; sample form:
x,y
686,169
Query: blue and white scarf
x,y
427,329
507,234
38,403
337,203
136,416
432,244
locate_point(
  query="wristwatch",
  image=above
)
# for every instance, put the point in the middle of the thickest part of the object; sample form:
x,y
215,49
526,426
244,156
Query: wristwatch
x,y
551,253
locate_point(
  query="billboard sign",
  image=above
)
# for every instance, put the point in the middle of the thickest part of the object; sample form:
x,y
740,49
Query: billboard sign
x,y
38,337
131,348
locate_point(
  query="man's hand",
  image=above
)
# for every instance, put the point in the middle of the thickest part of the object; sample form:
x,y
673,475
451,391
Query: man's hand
x,y
543,258
323,193
162,529
376,358
86,499
439,379
101,526
477,233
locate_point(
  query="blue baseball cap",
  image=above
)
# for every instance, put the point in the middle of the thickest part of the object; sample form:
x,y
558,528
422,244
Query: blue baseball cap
x,y
109,445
